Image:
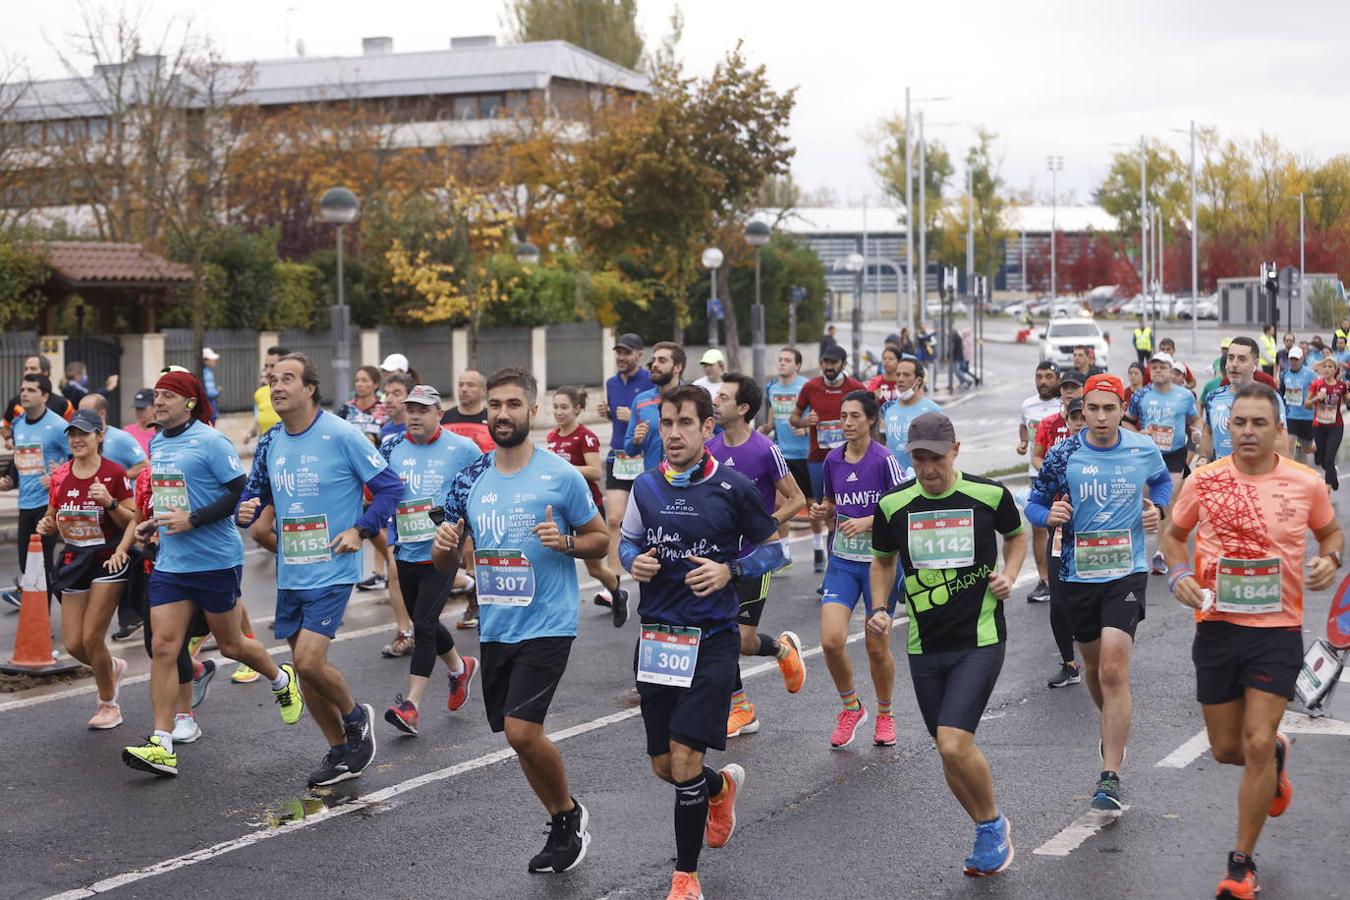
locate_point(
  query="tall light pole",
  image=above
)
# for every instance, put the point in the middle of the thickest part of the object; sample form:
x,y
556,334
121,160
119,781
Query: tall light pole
x,y
1195,247
712,261
1143,219
970,230
909,220
339,207
1054,165
1300,234
923,220
855,263
757,234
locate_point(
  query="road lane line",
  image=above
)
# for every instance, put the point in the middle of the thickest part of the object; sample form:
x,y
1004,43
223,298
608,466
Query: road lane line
x,y
1292,723
375,797
1186,754
1083,827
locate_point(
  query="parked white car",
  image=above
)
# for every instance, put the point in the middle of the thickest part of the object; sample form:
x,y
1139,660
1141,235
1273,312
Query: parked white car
x,y
1204,307
1062,335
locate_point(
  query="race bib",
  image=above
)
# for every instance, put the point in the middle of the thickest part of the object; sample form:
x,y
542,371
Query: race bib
x,y
1248,587
1326,413
1103,554
1057,545
1162,436
304,540
80,527
626,467
505,577
413,520
942,539
784,405
28,459
1293,396
830,434
168,491
667,654
857,548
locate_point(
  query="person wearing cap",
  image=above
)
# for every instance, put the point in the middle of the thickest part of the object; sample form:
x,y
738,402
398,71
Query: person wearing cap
x,y
209,360
1165,413
394,362
1054,428
817,410
1041,405
1239,368
39,447
143,429
118,446
1282,355
1295,379
1106,486
426,458
714,364
939,531
630,378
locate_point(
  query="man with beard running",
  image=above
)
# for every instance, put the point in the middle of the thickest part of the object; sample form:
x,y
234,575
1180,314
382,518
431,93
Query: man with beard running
x,y
644,426
1041,405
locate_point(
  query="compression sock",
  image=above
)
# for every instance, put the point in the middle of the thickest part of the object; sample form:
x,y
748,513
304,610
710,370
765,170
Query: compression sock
x,y
850,699
769,647
713,779
691,819
883,708
738,699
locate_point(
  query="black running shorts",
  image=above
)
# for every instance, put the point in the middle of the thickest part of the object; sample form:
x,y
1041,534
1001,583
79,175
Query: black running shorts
x,y
695,716
1230,658
519,679
1092,606
953,686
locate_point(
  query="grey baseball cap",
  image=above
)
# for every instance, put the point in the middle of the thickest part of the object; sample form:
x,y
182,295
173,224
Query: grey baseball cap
x,y
628,341
424,395
933,432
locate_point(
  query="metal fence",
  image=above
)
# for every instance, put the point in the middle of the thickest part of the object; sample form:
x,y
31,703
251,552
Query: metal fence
x,y
14,348
318,346
428,350
236,371
499,347
574,354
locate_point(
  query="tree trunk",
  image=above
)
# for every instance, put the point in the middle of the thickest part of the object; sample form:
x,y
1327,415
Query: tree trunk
x,y
730,334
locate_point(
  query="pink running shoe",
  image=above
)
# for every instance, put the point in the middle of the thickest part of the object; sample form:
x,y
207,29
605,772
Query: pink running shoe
x,y
885,731
846,728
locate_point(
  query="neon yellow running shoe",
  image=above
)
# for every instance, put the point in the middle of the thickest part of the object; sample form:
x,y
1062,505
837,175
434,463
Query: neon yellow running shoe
x,y
289,698
194,643
242,674
151,757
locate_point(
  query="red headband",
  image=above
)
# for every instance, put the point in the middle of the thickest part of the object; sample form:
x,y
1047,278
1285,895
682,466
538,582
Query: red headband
x,y
185,384
1103,382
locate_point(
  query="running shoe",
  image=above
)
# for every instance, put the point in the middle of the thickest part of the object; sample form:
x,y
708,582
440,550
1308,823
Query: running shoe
x,y
792,667
119,671
469,619
459,684
884,734
403,716
722,808
1108,794
195,644
108,715
1040,593
185,729
401,645
742,720
332,770
603,598
846,727
685,886
13,598
289,698
619,611
1066,676
818,561
993,851
374,582
361,747
1159,566
1240,882
567,841
201,683
151,757
127,631
242,674
1284,790
468,588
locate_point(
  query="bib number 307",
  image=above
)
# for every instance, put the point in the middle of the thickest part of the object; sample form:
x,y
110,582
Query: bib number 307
x,y
668,655
505,578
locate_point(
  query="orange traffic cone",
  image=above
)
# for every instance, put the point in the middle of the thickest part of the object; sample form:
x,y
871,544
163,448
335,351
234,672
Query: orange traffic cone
x,y
33,642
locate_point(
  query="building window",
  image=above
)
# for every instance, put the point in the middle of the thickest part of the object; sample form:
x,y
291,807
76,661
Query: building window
x,y
466,107
489,106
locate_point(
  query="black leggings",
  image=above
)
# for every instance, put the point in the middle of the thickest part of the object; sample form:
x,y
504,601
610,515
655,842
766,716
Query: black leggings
x,y
424,594
1060,626
1328,442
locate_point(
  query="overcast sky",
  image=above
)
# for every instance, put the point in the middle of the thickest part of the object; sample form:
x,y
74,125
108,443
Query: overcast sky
x,y
1068,78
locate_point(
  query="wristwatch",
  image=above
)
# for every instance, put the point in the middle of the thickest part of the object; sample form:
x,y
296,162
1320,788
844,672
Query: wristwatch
x,y
1334,556
1162,510
873,612
735,567
366,533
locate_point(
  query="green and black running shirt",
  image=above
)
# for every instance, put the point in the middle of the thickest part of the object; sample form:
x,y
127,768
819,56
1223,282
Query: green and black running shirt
x,y
948,550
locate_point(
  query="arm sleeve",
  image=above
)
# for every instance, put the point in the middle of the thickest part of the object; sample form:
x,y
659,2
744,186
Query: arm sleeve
x,y
223,506
1007,519
386,490
1160,485
1049,481
763,559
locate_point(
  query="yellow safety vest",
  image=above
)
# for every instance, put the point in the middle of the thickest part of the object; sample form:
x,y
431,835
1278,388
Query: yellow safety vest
x,y
1267,350
1143,339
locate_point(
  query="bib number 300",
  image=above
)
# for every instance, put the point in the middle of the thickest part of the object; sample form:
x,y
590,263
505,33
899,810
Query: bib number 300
x,y
668,655
505,578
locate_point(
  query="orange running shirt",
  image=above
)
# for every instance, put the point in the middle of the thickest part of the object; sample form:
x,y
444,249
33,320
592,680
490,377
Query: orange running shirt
x,y
1243,518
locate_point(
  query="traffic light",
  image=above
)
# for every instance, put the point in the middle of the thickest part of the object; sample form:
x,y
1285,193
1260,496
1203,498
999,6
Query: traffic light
x,y
1272,277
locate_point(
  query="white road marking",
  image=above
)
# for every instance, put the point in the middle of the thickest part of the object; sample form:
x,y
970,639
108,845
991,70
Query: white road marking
x,y
376,797
1187,753
1083,827
1292,723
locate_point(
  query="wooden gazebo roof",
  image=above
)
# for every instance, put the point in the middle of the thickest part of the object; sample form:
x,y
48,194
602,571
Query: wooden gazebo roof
x,y
110,276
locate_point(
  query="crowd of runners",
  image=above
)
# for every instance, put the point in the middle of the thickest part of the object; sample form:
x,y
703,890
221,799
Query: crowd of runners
x,y
694,499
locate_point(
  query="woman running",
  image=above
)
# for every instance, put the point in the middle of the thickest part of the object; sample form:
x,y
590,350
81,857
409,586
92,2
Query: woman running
x,y
883,385
89,502
856,476
364,409
578,445
1326,397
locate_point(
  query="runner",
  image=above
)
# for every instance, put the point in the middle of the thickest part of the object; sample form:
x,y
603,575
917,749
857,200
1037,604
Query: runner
x,y
910,401
686,657
714,364
470,416
426,459
644,425
1239,366
1061,628
310,468
856,475
1094,483
530,515
944,526
89,501
1327,396
742,449
39,447
883,384
143,429
630,378
794,444
1041,405
578,445
197,483
1165,413
1253,510
117,446
1295,379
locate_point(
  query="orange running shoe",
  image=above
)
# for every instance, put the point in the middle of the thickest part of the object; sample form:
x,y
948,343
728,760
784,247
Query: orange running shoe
x,y
685,886
722,808
1284,790
742,721
1240,884
792,667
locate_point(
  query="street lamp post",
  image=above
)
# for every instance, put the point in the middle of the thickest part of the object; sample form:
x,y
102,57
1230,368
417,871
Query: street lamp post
x,y
1054,165
527,254
757,234
909,220
923,220
339,207
712,261
855,263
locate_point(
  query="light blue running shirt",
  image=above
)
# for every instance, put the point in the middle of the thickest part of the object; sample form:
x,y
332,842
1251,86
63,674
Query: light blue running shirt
x,y
190,472
122,448
1217,410
1162,415
426,471
39,447
896,417
783,399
